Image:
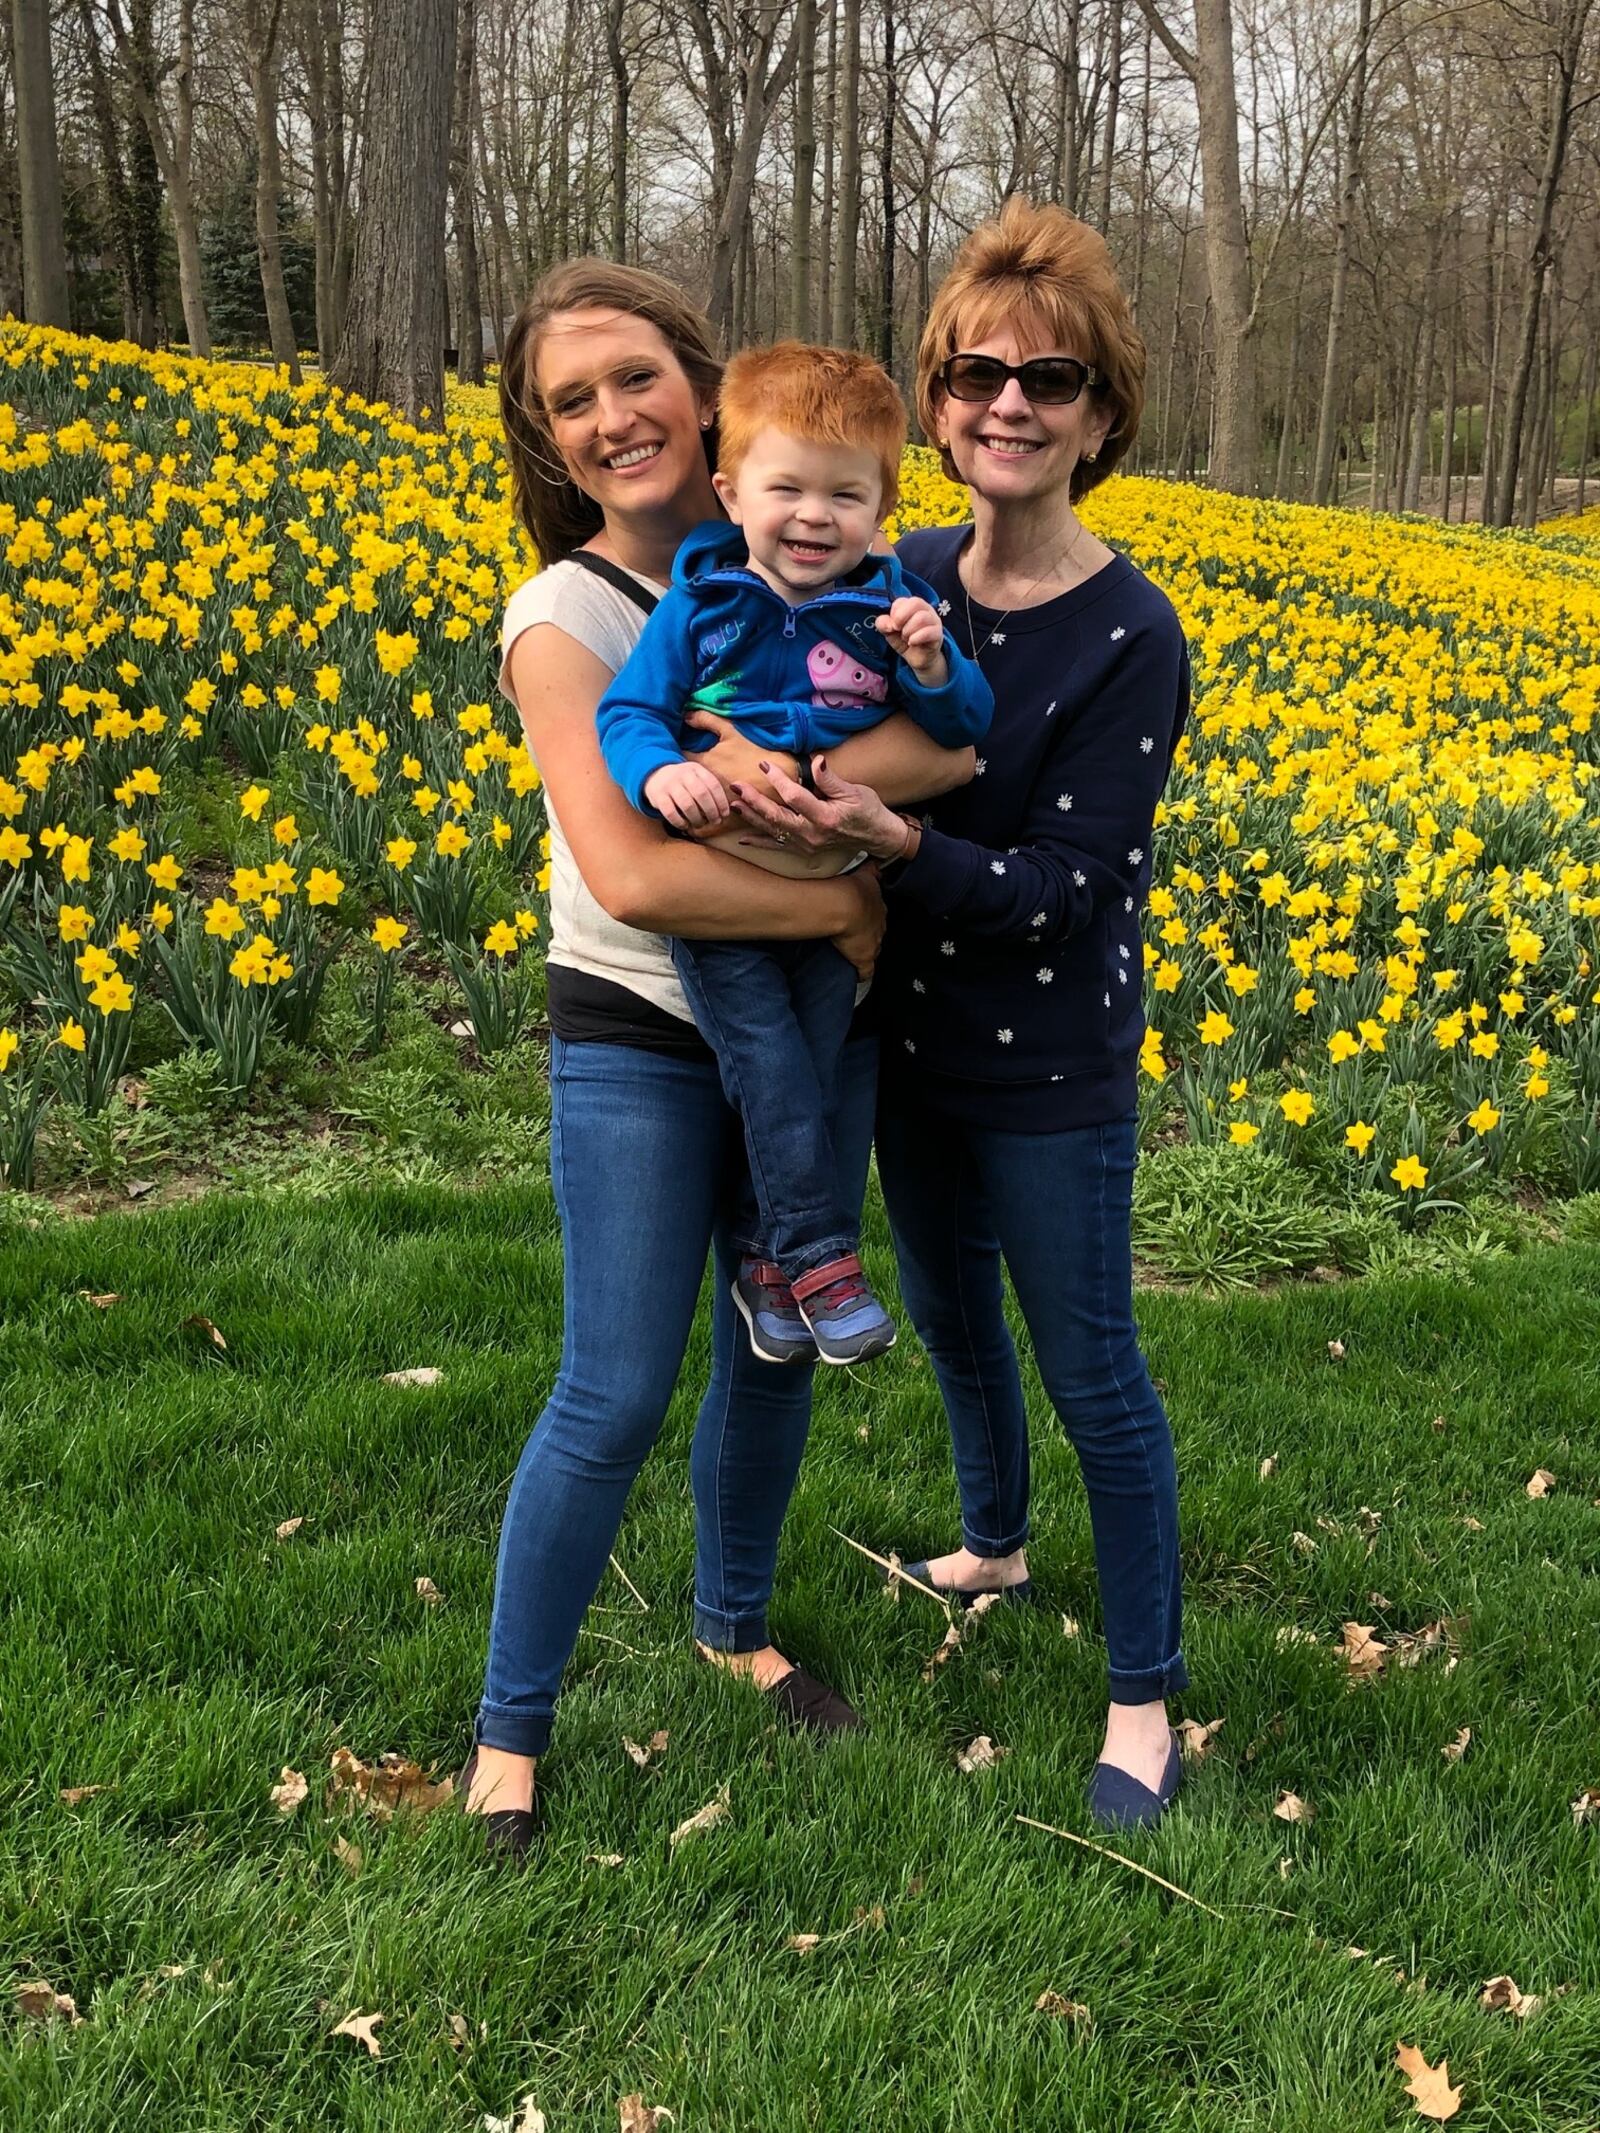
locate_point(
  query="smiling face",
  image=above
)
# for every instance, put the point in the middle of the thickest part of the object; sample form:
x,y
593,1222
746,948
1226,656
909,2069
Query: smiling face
x,y
808,511
623,414
1006,449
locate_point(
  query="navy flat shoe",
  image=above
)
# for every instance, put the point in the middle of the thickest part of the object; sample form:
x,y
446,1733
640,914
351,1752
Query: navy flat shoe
x,y
1118,1801
509,1833
1013,1595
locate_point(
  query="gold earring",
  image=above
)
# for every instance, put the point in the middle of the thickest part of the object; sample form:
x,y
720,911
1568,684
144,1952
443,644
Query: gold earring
x,y
1090,458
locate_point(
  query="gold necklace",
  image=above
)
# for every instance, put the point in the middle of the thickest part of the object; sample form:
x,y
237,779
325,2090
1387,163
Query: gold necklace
x,y
997,633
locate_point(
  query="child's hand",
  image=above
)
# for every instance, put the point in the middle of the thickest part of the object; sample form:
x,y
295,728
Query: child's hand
x,y
688,796
914,631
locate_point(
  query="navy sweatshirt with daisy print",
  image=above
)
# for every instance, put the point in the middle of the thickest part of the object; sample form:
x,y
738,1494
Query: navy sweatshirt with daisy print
x,y
1009,988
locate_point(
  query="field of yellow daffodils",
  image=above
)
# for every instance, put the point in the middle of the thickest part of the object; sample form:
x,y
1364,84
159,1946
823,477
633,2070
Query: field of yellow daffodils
x,y
249,731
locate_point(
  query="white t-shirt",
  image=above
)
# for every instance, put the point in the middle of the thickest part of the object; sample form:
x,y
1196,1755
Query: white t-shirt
x,y
583,936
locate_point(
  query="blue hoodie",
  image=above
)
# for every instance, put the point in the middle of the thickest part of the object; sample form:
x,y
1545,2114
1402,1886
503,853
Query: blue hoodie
x,y
796,678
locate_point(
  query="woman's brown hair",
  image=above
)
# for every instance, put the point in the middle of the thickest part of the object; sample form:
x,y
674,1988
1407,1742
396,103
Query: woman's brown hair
x,y
1039,267
557,514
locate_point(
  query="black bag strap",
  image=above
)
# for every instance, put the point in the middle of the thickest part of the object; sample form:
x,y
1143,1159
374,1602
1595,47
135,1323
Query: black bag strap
x,y
620,580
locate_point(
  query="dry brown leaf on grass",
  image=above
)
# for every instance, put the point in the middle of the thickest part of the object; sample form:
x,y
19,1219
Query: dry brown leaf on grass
x,y
1268,1466
1070,1627
288,1528
713,1812
641,2117
1336,1351
1055,2003
1540,1482
803,1943
1292,1633
1454,1750
102,1299
204,1325
289,1791
75,1795
952,1643
1586,1807
604,1859
428,1592
1291,1808
1429,2085
1411,1647
981,1754
350,1856
1501,1992
361,2027
1195,1739
42,2003
653,1749
529,2119
1364,1650
391,1783
423,1374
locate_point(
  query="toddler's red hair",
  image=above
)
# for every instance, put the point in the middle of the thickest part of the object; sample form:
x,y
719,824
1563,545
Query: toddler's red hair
x,y
821,395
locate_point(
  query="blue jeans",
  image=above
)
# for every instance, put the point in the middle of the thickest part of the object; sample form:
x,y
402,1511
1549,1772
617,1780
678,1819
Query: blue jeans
x,y
776,1014
1058,1207
643,1152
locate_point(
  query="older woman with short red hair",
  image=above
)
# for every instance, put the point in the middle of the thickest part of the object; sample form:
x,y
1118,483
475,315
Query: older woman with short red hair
x,y
1009,988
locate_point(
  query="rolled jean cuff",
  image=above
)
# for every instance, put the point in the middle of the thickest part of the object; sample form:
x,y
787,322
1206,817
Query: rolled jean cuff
x,y
513,1728
730,1633
1151,1684
981,1544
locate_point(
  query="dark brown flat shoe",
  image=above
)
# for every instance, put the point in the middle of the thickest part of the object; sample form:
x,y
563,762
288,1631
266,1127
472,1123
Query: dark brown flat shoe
x,y
509,1833
809,1706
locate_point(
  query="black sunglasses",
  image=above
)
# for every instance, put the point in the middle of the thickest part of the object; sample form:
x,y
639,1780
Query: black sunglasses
x,y
1048,381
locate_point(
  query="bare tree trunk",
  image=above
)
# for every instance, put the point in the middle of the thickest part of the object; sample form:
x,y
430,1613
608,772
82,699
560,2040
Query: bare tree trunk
x,y
1069,148
1422,390
44,242
1142,236
1238,424
10,245
765,81
393,343
463,191
1332,355
825,231
805,170
1586,431
886,179
313,57
848,238
1113,107
174,153
1566,58
144,188
621,89
1447,446
1495,284
500,229
118,198
1280,477
264,20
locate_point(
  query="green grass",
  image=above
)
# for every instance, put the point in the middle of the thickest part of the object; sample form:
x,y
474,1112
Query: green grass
x,y
158,1641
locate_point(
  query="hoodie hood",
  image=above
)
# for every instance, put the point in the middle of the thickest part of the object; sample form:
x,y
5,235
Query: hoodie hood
x,y
720,545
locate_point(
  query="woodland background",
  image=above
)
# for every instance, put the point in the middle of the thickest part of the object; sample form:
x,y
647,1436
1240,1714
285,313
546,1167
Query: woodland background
x,y
1361,238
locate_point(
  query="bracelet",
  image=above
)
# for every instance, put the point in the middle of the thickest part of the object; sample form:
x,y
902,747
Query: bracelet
x,y
908,851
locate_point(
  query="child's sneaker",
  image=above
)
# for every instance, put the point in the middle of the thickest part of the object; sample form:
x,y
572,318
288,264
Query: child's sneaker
x,y
778,1333
847,1322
